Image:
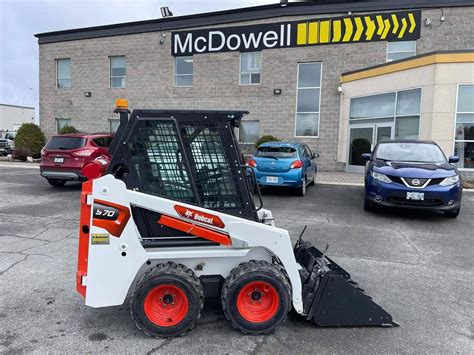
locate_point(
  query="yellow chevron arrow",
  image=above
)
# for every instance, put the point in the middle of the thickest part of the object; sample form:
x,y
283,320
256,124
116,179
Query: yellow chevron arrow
x,y
395,23
336,30
360,28
380,25
386,29
404,27
370,28
412,22
348,30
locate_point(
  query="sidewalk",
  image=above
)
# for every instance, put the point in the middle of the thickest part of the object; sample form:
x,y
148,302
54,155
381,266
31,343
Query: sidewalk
x,y
8,164
339,178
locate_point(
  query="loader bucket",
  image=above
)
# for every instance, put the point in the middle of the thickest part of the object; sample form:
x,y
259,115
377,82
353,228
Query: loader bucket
x,y
330,297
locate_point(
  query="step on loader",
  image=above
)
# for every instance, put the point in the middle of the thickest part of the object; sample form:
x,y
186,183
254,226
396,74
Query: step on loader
x,y
173,222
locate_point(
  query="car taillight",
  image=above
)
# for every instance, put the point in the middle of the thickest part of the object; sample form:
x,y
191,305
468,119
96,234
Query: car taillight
x,y
83,153
252,163
296,164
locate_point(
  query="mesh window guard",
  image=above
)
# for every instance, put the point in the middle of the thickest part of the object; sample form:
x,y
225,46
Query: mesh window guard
x,y
158,161
210,160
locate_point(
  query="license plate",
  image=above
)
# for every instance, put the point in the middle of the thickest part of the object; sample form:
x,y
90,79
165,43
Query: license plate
x,y
417,196
272,179
59,160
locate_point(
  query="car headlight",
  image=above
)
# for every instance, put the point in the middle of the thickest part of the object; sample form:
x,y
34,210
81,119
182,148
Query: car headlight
x,y
381,177
451,180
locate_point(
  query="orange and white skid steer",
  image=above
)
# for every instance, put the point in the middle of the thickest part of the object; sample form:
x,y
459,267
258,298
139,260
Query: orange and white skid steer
x,y
173,222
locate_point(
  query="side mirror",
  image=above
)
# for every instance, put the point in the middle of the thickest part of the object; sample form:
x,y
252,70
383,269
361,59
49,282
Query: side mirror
x,y
314,155
367,156
453,159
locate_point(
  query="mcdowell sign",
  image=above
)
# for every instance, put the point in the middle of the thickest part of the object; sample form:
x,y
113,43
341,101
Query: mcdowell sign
x,y
397,26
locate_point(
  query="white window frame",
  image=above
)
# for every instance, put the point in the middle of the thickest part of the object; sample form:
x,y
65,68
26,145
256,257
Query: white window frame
x,y
57,73
387,52
455,124
62,118
312,87
176,74
249,72
117,76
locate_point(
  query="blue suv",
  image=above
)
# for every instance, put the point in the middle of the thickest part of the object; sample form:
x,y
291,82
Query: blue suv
x,y
412,174
289,164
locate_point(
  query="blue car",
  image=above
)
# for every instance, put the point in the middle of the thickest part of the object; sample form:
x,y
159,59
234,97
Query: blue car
x,y
412,174
289,164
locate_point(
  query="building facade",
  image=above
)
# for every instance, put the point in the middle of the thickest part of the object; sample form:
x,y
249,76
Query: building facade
x,y
304,71
13,116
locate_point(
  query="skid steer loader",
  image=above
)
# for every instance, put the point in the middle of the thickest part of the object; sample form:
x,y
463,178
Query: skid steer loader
x,y
173,222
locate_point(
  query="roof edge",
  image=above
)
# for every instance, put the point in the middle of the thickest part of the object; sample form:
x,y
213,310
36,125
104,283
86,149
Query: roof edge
x,y
243,14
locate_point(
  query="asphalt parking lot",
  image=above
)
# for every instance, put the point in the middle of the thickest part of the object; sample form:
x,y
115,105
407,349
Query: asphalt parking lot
x,y
420,268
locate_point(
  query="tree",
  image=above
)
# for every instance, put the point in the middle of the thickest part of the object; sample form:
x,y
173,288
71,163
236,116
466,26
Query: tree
x,y
68,129
29,136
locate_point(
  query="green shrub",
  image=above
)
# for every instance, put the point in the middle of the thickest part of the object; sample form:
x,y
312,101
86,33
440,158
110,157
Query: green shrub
x,y
68,129
29,136
21,154
265,139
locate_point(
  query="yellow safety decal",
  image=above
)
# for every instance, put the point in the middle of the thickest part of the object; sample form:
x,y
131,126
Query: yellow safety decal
x,y
100,239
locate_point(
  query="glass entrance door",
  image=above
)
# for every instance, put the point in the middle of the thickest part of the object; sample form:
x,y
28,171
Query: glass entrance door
x,y
362,139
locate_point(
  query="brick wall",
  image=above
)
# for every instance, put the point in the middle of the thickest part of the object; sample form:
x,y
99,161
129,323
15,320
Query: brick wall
x,y
150,69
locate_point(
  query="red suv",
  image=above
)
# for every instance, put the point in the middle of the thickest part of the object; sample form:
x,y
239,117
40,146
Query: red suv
x,y
65,156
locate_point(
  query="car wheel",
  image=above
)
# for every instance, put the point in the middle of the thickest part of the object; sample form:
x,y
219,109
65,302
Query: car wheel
x,y
301,191
453,213
368,206
56,182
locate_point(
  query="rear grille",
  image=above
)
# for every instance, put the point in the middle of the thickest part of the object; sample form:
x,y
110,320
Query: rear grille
x,y
429,201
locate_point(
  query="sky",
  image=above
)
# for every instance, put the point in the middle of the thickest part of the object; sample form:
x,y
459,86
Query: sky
x,y
21,19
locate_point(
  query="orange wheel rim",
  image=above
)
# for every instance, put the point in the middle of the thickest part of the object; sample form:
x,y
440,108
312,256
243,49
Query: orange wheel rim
x,y
166,305
258,302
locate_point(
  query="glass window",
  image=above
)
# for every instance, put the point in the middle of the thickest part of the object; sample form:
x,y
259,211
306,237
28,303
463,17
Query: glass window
x,y
308,99
63,73
407,127
376,106
400,50
117,72
464,139
113,125
250,68
413,152
61,123
408,102
183,71
56,143
249,131
276,152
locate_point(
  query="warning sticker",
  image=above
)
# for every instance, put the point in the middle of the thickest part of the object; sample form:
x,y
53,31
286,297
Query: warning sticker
x,y
100,239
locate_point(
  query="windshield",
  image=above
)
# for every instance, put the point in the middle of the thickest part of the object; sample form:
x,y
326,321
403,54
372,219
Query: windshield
x,y
410,152
64,143
276,152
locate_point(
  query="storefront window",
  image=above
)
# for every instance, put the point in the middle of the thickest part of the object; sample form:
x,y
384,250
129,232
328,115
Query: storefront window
x,y
464,139
183,71
249,131
401,108
113,125
308,99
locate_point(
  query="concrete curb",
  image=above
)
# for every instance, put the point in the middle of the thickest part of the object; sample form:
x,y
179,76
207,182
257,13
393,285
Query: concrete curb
x,y
338,183
19,165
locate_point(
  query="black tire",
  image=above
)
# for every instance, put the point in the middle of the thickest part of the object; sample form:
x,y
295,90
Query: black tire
x,y
453,214
368,206
301,191
255,273
56,182
144,303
